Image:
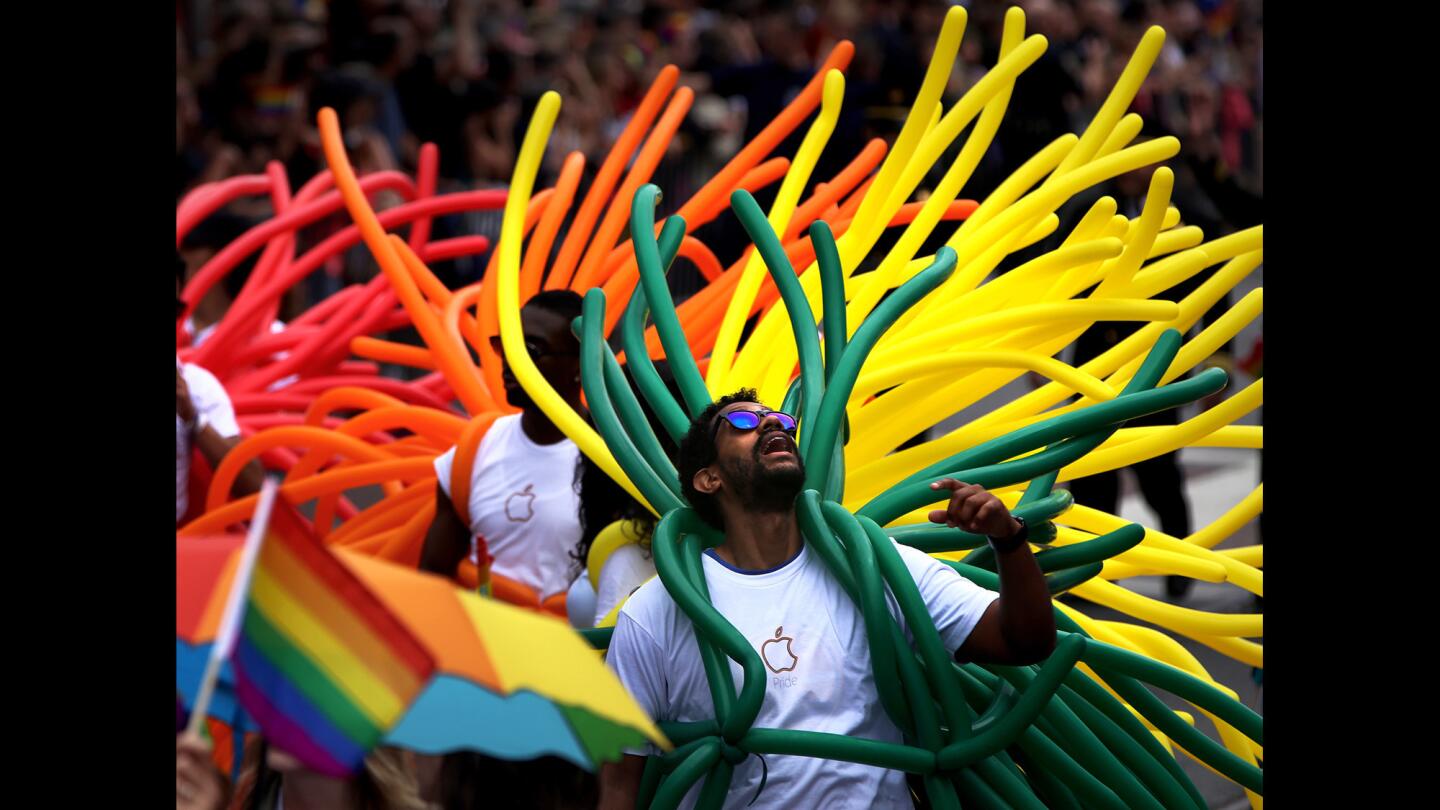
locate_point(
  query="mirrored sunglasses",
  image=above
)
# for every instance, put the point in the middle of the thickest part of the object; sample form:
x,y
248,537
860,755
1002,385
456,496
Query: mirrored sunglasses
x,y
749,420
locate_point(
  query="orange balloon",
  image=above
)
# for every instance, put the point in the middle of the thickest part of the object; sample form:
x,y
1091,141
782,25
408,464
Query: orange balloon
x,y
598,196
384,351
538,251
617,217
392,469
463,467
386,514
310,437
451,358
404,549
827,194
453,361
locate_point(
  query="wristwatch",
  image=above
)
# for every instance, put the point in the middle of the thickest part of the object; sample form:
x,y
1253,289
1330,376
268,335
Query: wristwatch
x,y
1014,541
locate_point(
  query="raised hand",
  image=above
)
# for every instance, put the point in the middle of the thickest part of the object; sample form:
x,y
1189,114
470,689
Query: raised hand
x,y
973,509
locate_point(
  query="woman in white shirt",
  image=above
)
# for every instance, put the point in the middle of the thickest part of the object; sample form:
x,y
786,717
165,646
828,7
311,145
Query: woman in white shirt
x,y
521,499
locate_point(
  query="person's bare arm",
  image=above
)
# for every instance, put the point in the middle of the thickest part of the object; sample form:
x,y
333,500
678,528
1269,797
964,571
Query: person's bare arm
x,y
620,783
1019,627
447,541
213,446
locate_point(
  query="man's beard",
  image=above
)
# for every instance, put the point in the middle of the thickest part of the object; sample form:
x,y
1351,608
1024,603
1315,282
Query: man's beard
x,y
765,489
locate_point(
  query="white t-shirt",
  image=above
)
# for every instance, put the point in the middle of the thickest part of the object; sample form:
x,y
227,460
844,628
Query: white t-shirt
x,y
628,567
523,502
812,640
212,408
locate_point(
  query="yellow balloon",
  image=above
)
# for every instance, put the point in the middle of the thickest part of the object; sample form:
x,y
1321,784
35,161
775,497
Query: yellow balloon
x,y
1124,91
522,182
1192,307
610,539
954,179
937,76
738,311
1031,281
1237,572
927,364
1185,621
1175,239
1250,437
880,205
1125,357
1249,555
1123,133
1085,310
1169,440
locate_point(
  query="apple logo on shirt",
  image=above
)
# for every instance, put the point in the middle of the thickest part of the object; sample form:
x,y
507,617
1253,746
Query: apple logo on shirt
x,y
520,506
775,655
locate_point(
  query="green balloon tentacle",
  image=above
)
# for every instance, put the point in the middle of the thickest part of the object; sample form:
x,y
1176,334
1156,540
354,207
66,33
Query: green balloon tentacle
x,y
662,307
632,334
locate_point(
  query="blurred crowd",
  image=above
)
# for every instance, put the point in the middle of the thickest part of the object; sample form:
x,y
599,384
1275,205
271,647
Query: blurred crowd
x,y
465,74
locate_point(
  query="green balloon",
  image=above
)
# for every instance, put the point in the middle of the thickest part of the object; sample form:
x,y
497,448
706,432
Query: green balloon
x,y
965,726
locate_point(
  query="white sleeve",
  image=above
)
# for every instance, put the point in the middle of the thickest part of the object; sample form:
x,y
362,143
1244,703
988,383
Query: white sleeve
x,y
954,602
627,569
212,404
443,464
636,660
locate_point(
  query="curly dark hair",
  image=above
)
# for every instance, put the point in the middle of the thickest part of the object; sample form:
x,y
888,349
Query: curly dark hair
x,y
602,502
697,450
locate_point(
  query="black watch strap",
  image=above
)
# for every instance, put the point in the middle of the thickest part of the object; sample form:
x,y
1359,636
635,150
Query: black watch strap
x,y
1014,541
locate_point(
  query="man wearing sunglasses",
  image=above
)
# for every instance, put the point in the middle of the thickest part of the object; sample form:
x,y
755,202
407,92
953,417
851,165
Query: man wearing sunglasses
x,y
522,494
740,469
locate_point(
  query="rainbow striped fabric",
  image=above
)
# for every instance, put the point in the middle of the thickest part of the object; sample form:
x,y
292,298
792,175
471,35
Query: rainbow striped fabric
x,y
320,664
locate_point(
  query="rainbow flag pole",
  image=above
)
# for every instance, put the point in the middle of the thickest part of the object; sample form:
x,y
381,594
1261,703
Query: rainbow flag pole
x,y
234,605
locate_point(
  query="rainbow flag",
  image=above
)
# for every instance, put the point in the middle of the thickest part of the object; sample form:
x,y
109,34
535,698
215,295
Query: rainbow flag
x,y
275,100
321,665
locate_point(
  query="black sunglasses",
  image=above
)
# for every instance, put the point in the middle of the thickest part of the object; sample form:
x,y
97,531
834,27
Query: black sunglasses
x,y
749,420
